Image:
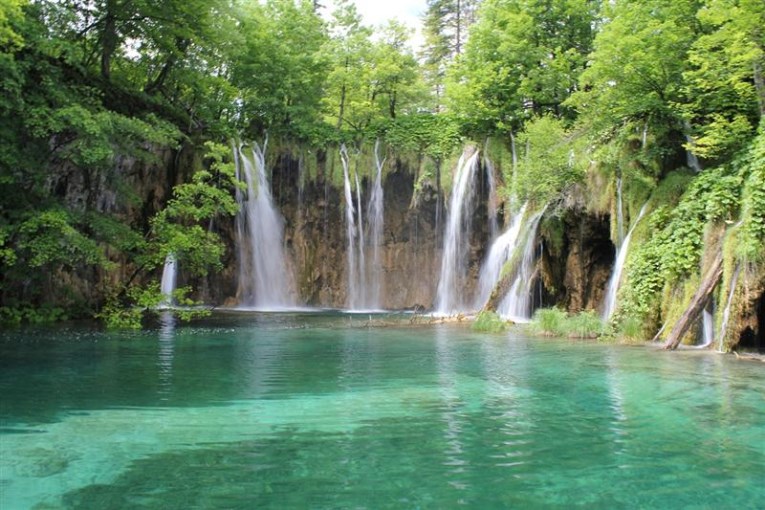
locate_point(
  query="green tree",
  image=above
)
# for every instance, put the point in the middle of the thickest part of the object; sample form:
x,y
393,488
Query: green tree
x,y
636,68
724,84
280,70
523,58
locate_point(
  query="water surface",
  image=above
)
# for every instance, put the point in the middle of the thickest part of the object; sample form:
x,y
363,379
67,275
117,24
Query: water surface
x,y
318,411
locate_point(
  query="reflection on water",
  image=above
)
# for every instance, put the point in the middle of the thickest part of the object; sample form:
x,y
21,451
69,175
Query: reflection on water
x,y
165,357
299,410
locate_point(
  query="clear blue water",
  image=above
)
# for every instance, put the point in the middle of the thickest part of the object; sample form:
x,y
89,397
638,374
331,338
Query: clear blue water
x,y
315,411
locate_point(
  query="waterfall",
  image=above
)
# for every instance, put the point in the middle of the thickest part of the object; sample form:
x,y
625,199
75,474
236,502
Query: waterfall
x,y
726,312
707,327
517,304
362,269
500,253
692,161
455,249
351,232
644,139
264,280
621,257
375,219
619,212
169,276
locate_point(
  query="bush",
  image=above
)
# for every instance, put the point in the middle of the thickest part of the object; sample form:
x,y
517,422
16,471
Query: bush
x,y
489,322
584,325
631,328
549,321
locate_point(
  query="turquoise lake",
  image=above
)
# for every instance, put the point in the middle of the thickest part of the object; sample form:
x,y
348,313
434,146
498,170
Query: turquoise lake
x,y
320,411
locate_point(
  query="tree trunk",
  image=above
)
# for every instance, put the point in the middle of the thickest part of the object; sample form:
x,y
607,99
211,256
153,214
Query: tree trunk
x,y
108,39
181,45
699,300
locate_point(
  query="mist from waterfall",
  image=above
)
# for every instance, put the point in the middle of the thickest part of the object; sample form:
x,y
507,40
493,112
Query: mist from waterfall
x,y
609,303
517,303
265,282
451,283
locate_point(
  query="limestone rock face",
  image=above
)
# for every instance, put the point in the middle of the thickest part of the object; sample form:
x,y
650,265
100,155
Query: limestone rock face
x,y
577,260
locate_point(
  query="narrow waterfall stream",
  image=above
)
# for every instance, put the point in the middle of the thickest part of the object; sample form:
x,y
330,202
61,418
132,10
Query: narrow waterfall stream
x,y
609,303
707,327
352,268
264,279
450,292
692,161
169,277
375,217
726,311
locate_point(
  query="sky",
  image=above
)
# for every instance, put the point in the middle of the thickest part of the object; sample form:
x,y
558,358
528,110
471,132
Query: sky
x,y
377,12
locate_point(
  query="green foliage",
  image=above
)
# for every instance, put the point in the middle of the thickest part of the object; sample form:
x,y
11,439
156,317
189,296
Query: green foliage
x,y
10,13
674,250
15,315
549,321
177,229
127,308
631,329
637,64
489,322
721,82
548,164
750,241
433,135
586,324
556,322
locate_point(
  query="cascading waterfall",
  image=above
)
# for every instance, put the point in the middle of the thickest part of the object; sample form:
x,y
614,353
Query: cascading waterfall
x,y
453,267
375,218
264,280
501,251
516,305
364,280
609,304
169,277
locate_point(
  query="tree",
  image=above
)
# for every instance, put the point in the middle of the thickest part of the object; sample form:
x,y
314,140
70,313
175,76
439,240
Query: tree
x,y
523,59
280,70
395,72
724,84
636,67
445,28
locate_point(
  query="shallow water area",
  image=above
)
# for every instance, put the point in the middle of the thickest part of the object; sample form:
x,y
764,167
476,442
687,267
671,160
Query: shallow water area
x,y
326,410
